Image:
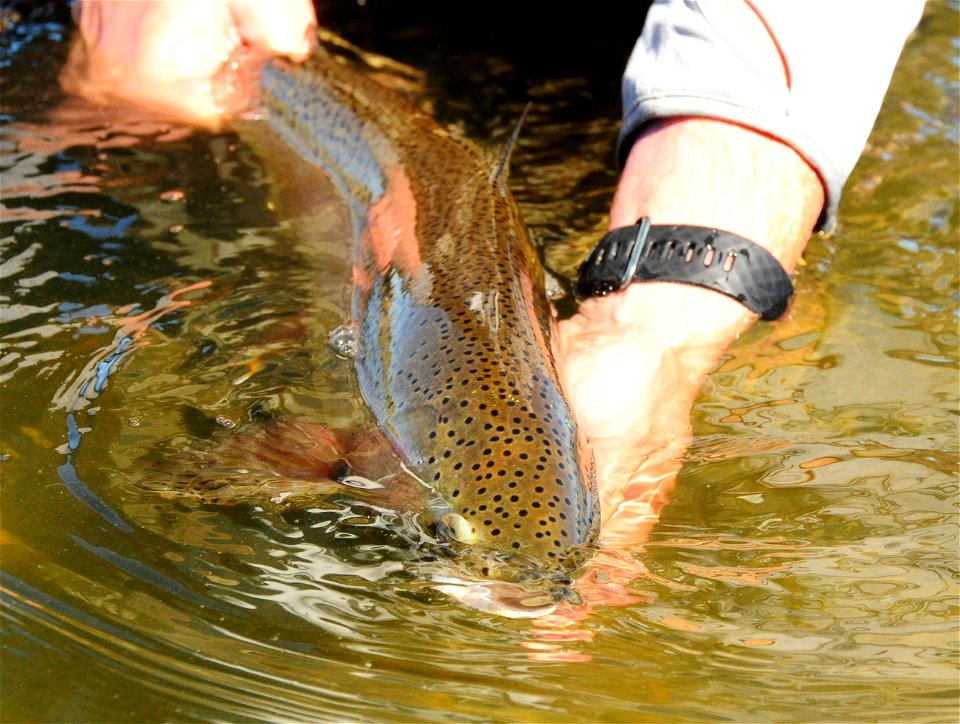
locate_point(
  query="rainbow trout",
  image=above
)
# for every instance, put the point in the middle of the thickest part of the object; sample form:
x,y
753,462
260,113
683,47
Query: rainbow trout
x,y
455,359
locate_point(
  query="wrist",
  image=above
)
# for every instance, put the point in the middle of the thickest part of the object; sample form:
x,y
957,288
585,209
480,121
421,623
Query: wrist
x,y
691,324
704,172
707,172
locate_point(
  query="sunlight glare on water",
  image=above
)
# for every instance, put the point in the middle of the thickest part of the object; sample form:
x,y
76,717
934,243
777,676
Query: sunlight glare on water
x,y
159,288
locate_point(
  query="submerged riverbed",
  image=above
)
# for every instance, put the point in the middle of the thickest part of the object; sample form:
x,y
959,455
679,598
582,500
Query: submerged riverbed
x,y
155,290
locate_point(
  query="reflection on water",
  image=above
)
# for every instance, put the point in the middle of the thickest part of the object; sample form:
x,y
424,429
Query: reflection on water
x,y
161,287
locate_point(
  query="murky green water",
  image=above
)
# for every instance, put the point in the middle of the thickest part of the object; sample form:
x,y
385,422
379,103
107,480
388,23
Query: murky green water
x,y
805,568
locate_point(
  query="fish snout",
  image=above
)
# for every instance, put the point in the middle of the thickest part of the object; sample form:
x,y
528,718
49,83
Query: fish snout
x,y
535,511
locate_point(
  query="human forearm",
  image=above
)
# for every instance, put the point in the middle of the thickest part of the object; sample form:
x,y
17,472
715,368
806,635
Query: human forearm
x,y
635,360
707,172
707,92
703,172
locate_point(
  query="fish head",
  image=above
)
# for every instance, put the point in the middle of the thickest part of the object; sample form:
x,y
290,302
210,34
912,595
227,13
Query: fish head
x,y
518,483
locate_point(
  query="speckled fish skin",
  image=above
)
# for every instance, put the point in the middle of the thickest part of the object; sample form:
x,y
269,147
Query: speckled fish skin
x,y
455,354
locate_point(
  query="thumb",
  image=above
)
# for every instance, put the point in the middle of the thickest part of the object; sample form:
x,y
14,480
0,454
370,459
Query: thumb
x,y
287,27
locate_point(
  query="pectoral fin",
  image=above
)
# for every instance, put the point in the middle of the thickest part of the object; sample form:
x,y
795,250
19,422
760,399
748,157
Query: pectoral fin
x,y
293,461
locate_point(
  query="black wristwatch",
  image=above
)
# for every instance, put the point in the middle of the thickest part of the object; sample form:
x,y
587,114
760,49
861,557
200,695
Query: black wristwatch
x,y
696,255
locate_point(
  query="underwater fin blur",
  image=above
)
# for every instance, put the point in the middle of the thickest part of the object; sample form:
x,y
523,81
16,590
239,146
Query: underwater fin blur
x,y
290,461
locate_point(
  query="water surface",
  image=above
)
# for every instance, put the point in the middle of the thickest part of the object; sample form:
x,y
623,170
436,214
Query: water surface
x,y
159,288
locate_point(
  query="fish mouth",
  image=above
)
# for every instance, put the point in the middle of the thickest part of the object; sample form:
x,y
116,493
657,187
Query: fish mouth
x,y
476,563
508,584
504,583
503,598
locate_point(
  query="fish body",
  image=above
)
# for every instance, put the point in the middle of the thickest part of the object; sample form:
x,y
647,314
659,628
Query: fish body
x,y
455,358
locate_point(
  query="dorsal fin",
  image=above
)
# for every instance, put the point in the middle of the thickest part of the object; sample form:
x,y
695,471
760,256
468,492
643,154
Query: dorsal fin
x,y
498,176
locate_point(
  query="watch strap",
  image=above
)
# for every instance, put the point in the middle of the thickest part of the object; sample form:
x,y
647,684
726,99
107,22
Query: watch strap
x,y
696,255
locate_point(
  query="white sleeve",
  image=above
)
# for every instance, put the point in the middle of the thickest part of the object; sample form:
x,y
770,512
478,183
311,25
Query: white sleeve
x,y
839,56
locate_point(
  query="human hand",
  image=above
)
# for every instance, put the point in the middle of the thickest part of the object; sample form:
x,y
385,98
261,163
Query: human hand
x,y
633,362
632,365
191,60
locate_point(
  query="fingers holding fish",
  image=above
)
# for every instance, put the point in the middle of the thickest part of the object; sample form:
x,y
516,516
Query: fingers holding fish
x,y
194,61
286,28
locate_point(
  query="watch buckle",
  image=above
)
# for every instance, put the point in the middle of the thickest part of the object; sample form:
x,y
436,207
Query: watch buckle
x,y
636,250
613,263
